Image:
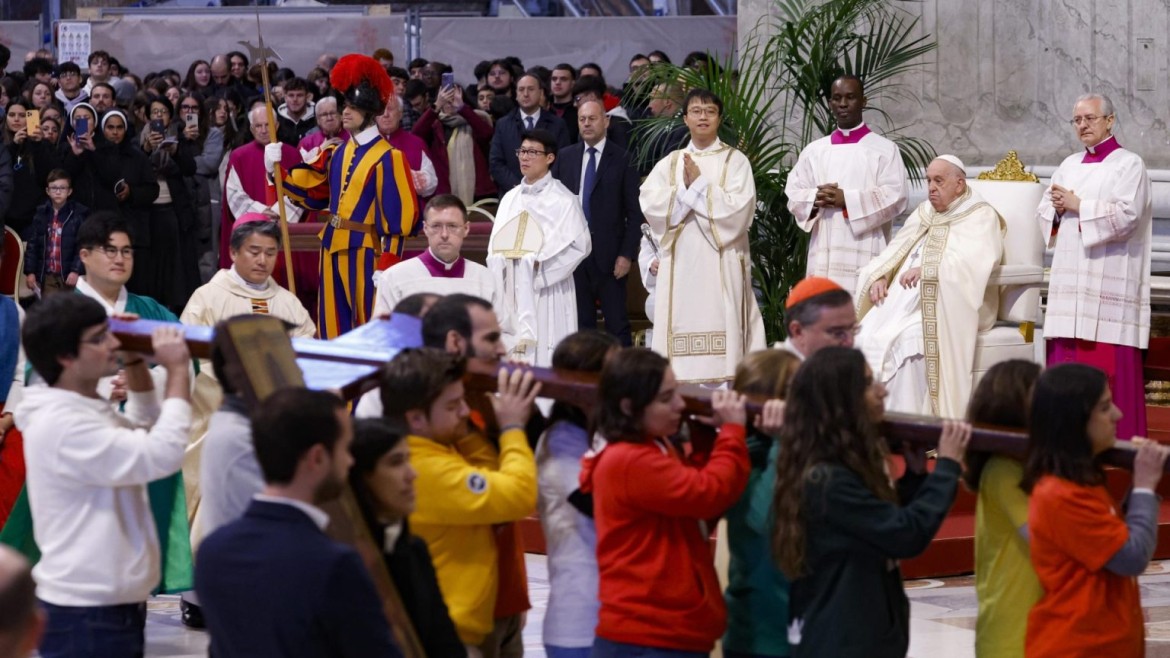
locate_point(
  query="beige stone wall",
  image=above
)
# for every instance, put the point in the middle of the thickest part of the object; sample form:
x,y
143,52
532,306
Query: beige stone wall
x,y
1007,72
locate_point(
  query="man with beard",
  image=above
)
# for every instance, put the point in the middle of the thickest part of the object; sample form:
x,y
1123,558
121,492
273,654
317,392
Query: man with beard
x,y
845,190
272,580
465,487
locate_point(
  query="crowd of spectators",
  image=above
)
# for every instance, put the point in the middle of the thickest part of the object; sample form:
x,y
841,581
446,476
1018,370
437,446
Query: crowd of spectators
x,y
153,146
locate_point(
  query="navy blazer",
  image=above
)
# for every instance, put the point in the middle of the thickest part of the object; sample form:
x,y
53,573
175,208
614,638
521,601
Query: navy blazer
x,y
272,584
502,161
615,224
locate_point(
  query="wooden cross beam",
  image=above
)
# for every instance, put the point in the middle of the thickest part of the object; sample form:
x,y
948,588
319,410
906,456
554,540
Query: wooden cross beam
x,y
351,364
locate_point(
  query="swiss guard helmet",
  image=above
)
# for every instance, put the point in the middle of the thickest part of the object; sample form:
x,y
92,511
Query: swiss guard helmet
x,y
363,82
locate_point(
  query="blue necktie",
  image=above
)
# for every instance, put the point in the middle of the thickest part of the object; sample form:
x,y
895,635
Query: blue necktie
x,y
529,121
587,185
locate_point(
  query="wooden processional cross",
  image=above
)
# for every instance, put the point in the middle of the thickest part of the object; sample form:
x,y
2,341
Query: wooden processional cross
x,y
352,363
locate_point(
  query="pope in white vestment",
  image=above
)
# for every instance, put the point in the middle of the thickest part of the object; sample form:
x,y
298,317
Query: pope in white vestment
x,y
920,339
539,297
870,191
705,315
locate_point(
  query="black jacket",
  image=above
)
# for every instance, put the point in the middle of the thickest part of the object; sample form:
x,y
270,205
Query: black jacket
x,y
615,214
852,603
31,164
502,161
36,256
413,573
95,173
272,584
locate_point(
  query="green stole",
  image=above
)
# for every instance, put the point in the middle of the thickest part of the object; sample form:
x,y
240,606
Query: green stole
x,y
168,501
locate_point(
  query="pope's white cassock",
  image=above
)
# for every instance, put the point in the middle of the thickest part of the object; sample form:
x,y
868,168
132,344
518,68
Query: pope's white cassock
x,y
425,273
705,315
920,341
868,169
539,297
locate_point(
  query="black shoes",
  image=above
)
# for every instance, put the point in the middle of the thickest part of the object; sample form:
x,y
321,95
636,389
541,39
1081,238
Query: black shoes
x,y
192,615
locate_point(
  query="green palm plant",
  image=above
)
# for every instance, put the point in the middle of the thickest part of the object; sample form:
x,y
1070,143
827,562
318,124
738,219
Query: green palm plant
x,y
775,101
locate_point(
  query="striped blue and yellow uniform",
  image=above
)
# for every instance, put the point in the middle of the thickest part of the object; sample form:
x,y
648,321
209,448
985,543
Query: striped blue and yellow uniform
x,y
365,181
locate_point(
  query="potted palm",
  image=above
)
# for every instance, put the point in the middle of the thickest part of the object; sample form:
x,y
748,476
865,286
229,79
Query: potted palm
x,y
775,96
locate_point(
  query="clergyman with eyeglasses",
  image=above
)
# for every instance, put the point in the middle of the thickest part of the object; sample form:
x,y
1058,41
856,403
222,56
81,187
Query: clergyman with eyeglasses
x,y
1097,218
699,202
441,269
539,237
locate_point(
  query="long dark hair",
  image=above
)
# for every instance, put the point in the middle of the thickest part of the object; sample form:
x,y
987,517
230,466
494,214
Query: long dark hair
x,y
1003,397
1058,438
826,421
583,351
372,438
634,374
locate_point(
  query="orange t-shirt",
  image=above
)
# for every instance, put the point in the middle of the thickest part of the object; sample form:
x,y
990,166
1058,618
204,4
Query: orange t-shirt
x,y
1085,610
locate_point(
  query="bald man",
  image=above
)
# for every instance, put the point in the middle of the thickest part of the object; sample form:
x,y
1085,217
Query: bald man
x,y
923,353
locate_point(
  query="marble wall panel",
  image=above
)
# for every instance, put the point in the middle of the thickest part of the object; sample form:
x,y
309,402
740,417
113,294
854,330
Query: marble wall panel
x,y
1007,73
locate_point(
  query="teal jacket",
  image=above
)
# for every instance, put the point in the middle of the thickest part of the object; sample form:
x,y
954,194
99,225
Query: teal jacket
x,y
757,593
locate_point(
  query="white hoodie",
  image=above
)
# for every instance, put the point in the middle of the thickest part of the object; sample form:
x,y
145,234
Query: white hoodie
x,y
88,467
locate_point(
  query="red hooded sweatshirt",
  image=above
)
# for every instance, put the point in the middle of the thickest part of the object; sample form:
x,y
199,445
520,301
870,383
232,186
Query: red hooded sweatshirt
x,y
657,576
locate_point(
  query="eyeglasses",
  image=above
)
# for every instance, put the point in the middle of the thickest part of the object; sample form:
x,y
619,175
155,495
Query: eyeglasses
x,y
190,108
842,334
327,115
1088,118
703,111
114,252
59,188
440,229
97,339
529,153
68,74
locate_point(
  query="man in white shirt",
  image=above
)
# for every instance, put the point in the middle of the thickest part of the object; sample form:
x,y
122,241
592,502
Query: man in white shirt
x,y
700,203
539,238
846,189
88,467
441,269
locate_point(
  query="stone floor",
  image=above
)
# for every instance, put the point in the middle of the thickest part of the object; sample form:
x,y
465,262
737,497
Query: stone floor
x,y
943,613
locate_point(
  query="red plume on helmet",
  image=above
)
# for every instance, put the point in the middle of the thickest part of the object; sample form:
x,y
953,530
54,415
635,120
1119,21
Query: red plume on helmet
x,y
363,82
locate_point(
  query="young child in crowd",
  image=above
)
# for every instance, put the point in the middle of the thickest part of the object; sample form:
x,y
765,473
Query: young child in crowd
x,y
52,260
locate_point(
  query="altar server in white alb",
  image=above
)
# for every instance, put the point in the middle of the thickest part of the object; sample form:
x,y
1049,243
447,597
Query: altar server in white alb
x,y
1097,218
539,237
845,190
699,202
925,298
441,269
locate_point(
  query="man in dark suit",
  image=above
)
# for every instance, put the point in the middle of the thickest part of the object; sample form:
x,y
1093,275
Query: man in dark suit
x,y
271,583
599,172
528,115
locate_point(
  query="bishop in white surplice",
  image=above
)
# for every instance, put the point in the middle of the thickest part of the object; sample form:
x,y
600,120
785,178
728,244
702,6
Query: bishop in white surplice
x,y
846,189
1097,217
699,203
539,297
924,299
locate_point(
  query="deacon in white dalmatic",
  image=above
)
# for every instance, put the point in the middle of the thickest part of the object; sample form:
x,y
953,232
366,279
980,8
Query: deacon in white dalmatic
x,y
539,237
846,189
699,202
924,299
